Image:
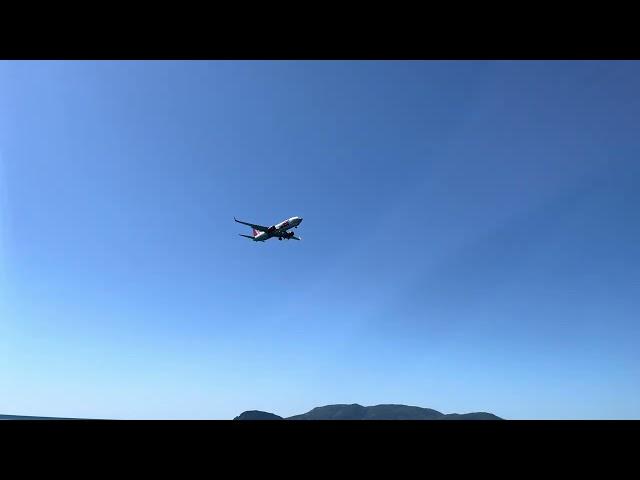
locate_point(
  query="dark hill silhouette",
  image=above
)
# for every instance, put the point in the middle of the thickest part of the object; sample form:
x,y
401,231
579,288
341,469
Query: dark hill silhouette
x,y
336,412
472,416
27,417
376,412
257,415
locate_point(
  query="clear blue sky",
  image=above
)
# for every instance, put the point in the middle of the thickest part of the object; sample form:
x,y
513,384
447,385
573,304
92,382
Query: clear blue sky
x,y
471,239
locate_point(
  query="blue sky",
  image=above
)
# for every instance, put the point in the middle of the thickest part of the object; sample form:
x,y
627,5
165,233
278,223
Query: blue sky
x,y
470,237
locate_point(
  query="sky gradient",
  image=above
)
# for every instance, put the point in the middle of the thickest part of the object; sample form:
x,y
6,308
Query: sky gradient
x,y
471,240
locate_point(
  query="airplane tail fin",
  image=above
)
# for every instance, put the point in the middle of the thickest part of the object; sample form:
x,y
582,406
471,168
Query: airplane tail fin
x,y
255,232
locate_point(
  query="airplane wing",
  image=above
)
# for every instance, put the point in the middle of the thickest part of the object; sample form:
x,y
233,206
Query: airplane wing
x,y
253,225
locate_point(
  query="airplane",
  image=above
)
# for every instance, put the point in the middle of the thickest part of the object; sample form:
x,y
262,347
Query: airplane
x,y
279,230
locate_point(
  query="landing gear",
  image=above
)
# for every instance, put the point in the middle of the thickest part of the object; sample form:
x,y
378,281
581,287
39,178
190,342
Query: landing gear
x,y
280,238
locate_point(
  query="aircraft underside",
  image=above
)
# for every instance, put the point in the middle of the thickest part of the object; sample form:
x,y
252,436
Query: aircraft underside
x,y
262,233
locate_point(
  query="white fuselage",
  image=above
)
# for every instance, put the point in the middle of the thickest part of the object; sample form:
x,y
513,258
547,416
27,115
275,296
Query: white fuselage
x,y
278,229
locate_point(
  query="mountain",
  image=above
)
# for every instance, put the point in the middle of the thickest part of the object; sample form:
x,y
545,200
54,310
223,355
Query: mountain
x,y
472,416
257,415
376,412
337,412
26,417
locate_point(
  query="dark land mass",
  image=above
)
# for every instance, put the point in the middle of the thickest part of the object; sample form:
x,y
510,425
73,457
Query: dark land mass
x,y
337,412
376,412
257,415
27,417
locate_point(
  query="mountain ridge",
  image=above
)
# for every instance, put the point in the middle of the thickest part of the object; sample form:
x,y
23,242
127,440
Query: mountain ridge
x,y
352,411
356,411
32,417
